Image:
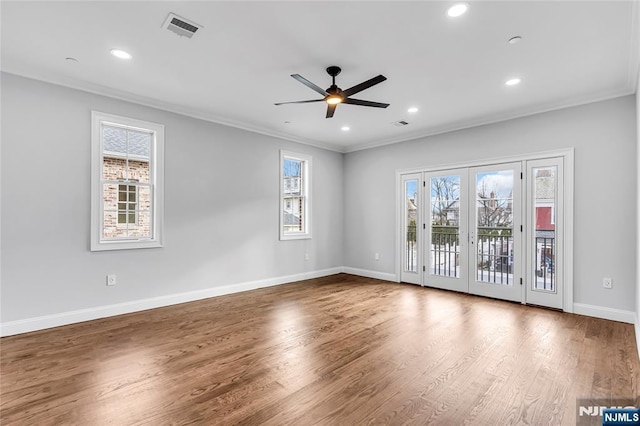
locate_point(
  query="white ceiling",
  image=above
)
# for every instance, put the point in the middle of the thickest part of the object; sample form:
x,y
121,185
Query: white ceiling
x,y
235,68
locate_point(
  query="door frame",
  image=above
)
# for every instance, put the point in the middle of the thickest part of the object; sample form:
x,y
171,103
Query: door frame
x,y
568,214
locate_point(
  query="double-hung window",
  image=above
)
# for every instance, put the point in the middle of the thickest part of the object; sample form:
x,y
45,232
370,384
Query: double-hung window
x,y
126,183
295,196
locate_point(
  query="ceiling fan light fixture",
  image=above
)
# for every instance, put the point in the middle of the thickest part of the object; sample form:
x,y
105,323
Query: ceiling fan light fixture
x,y
118,53
334,99
457,9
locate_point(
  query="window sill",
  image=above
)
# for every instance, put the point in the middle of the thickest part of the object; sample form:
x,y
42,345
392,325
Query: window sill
x,y
125,245
285,237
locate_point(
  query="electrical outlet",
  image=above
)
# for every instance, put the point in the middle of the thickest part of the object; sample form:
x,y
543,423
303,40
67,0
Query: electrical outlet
x,y
111,279
377,256
306,256
607,282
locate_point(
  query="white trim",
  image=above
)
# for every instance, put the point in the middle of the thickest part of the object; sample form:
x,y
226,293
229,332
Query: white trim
x,y
64,318
567,225
604,313
156,178
71,317
484,121
199,114
210,117
399,219
385,276
568,152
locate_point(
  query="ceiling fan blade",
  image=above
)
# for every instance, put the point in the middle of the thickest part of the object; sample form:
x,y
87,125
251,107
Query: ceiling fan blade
x,y
364,85
331,109
364,103
309,84
300,102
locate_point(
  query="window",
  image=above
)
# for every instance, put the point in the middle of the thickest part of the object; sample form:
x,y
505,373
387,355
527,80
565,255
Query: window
x,y
127,185
295,203
127,211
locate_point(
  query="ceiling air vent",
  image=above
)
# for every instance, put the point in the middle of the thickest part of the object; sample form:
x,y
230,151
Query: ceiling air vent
x,y
400,123
180,26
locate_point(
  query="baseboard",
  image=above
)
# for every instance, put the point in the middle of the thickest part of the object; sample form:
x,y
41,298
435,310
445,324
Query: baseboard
x,y
605,313
370,274
48,321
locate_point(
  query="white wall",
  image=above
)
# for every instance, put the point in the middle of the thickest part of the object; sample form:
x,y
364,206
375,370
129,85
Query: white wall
x,y
604,137
221,207
638,212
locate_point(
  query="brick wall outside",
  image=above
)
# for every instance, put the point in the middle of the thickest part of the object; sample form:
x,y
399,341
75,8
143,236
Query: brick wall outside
x,y
116,169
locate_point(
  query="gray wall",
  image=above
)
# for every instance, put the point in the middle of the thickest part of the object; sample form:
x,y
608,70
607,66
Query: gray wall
x,y
221,201
221,207
604,137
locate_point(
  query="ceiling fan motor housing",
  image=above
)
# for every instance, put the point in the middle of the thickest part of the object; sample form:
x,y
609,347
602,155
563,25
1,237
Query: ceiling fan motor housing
x,y
333,70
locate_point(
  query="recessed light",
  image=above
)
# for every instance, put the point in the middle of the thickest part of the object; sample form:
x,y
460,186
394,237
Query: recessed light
x,y
515,40
120,54
345,128
412,110
512,82
457,9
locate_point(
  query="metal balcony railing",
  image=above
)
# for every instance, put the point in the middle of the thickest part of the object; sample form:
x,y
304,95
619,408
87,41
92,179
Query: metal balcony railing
x,y
411,260
494,255
545,270
445,251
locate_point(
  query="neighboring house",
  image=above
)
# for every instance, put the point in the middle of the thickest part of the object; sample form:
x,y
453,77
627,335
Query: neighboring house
x,y
545,201
292,205
412,211
545,185
452,213
127,195
494,212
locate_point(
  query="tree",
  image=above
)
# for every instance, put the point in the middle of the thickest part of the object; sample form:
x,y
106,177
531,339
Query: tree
x,y
494,209
445,193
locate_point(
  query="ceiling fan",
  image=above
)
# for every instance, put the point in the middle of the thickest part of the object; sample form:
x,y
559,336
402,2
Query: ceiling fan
x,y
335,95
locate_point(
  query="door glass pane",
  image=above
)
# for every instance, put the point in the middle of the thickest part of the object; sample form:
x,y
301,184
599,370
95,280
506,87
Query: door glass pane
x,y
411,218
494,227
544,184
445,217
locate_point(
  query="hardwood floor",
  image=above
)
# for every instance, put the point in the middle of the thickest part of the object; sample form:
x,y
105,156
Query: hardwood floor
x,y
338,350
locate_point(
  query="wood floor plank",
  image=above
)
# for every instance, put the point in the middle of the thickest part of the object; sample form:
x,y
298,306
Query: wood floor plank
x,y
331,351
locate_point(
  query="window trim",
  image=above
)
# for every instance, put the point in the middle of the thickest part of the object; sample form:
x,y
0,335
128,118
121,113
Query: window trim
x,y
305,191
156,181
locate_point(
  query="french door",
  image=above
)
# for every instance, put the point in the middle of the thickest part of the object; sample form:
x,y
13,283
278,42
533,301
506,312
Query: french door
x,y
446,251
486,230
495,240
